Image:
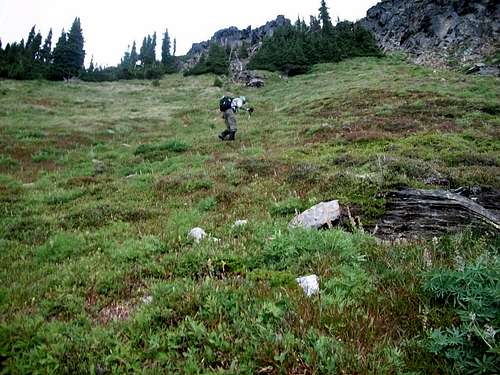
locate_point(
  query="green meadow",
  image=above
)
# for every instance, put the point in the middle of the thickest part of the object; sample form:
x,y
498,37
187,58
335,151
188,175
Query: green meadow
x,y
100,184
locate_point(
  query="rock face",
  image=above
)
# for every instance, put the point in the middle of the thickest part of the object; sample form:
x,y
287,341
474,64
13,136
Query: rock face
x,y
323,214
437,32
234,38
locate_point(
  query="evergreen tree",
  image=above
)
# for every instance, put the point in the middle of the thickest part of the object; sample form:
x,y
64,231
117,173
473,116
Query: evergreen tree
x,y
293,49
76,53
31,37
175,47
143,51
152,49
60,66
326,21
134,57
215,61
46,50
165,49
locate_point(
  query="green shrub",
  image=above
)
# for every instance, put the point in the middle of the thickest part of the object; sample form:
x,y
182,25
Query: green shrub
x,y
472,291
218,82
207,204
7,162
60,247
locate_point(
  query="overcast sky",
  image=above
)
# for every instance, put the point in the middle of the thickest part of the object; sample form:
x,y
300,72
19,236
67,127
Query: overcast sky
x,y
110,26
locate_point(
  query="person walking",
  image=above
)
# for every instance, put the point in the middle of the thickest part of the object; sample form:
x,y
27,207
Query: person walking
x,y
229,107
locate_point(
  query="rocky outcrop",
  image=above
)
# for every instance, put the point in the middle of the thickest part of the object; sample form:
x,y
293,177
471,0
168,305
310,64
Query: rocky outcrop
x,y
234,39
437,32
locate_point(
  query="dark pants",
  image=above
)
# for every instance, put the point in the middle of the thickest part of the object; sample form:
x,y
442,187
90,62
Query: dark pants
x,y
230,120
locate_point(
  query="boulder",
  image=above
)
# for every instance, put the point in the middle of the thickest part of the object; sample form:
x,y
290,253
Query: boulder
x,y
324,214
255,82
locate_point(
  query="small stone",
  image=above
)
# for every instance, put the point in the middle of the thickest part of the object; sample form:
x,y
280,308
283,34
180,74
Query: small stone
x,y
147,300
99,166
240,223
309,284
197,234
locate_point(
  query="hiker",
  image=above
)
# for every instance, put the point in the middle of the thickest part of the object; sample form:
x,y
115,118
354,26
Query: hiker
x,y
229,106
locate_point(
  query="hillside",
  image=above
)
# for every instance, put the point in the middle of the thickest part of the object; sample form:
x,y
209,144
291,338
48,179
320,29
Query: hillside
x,y
101,183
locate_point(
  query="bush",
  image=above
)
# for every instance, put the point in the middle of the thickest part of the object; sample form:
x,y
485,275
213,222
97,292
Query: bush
x,y
218,82
60,247
472,292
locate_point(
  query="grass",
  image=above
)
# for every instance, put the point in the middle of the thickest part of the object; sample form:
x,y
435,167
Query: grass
x,y
98,274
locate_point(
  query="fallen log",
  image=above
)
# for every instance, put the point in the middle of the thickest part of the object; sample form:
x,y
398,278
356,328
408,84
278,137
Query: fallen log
x,y
424,213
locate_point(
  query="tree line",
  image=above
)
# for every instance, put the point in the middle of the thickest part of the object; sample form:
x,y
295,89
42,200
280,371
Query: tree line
x,y
294,49
36,59
142,64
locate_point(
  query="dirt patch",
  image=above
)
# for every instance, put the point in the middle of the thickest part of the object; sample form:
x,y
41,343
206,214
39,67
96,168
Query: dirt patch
x,y
263,167
44,102
115,312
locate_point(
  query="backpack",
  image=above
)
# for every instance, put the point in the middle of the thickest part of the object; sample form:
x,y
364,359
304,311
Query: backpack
x,y
225,103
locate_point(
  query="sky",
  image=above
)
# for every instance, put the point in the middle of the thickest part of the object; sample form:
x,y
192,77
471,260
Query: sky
x,y
110,26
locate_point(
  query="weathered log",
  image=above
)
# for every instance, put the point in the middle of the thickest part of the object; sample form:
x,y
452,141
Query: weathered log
x,y
424,213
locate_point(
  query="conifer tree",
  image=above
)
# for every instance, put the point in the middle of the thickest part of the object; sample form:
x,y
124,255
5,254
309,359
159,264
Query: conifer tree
x,y
324,16
175,47
76,53
47,49
152,50
143,51
60,66
134,57
165,49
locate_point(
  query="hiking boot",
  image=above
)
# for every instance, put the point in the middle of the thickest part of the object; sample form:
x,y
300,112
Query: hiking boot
x,y
223,135
230,137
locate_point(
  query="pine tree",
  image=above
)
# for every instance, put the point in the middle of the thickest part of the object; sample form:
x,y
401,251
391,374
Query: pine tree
x,y
134,57
143,51
326,21
165,49
76,53
47,49
152,50
175,47
31,37
60,67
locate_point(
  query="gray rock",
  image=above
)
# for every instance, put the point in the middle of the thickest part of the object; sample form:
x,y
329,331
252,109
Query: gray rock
x,y
197,234
324,214
483,69
256,82
99,166
437,33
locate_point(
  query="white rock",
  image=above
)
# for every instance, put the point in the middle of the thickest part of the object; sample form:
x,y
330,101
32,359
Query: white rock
x,y
197,234
240,223
309,284
324,213
147,300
